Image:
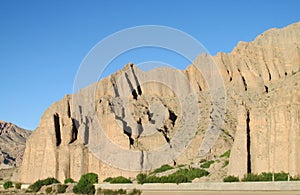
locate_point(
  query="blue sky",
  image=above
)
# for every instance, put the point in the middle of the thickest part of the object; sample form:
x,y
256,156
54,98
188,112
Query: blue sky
x,y
42,43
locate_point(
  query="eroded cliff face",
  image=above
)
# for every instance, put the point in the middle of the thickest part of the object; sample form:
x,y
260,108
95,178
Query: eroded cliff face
x,y
140,115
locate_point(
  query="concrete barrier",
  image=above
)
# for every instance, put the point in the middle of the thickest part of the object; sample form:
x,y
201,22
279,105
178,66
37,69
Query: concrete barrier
x,y
209,186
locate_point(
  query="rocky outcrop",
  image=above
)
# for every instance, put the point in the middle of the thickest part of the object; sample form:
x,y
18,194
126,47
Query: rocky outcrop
x,y
134,121
12,144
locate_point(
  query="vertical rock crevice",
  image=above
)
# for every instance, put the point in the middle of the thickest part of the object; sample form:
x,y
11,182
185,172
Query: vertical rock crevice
x,y
172,117
57,129
244,80
139,89
133,91
74,134
248,142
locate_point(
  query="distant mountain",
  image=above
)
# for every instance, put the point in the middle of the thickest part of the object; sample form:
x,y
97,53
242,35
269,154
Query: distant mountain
x,y
12,144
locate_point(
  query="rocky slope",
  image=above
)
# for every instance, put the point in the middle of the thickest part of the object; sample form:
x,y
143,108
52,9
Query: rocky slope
x,y
134,121
12,144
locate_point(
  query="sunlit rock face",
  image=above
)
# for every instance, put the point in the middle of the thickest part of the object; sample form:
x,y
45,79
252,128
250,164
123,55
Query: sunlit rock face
x,y
143,114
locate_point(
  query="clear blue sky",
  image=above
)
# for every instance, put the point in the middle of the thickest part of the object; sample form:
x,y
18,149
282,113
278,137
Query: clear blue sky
x,y
42,43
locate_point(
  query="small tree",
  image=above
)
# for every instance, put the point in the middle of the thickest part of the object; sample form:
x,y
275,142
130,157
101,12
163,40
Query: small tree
x,y
7,185
141,178
86,184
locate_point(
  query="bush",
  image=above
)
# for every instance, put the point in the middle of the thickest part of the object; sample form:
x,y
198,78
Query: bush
x,y
135,192
107,179
226,154
163,168
203,160
207,164
35,187
266,177
48,190
69,180
281,176
61,188
7,185
86,184
192,173
231,178
18,185
253,177
180,176
111,192
226,162
120,179
141,178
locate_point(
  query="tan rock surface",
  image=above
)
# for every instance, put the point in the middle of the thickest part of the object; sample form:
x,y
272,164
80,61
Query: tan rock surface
x,y
139,115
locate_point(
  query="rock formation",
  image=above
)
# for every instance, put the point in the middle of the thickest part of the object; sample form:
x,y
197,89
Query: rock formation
x,y
143,114
12,144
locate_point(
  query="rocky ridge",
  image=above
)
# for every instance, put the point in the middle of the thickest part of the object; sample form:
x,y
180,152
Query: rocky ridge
x,y
261,121
12,144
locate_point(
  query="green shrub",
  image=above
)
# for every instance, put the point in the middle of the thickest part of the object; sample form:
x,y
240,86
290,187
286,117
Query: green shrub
x,y
177,179
86,184
135,192
35,187
192,173
120,179
266,177
207,164
108,179
163,168
61,188
203,160
48,190
231,178
111,192
282,176
180,176
18,185
226,154
7,185
226,162
121,191
141,178
69,180
253,177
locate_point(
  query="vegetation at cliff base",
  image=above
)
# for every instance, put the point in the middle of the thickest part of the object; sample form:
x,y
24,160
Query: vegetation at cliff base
x,y
119,179
180,176
163,168
69,180
207,164
231,178
36,186
7,185
86,184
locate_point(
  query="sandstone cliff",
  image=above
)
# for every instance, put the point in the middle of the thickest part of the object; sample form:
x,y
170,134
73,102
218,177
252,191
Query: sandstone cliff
x,y
141,118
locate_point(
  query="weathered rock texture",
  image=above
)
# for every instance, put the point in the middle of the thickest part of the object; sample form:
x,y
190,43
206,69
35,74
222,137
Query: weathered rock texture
x,y
12,144
261,123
